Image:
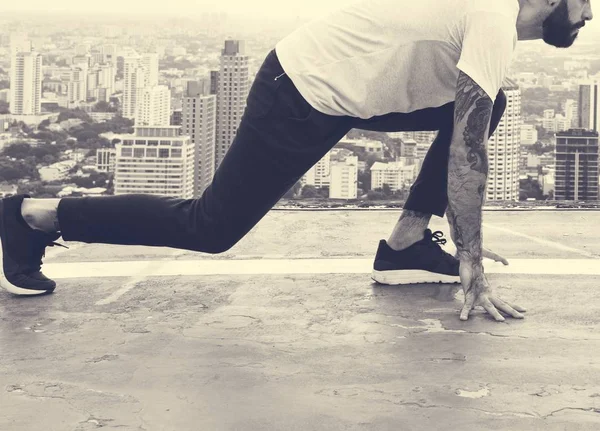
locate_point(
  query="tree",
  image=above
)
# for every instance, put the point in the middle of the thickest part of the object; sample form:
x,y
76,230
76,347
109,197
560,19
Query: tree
x,y
293,191
364,180
74,114
323,192
44,124
16,170
96,179
309,191
386,189
530,188
375,195
18,150
102,106
48,159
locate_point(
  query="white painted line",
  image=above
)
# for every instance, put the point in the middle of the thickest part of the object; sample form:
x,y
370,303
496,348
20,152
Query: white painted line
x,y
143,269
542,241
141,272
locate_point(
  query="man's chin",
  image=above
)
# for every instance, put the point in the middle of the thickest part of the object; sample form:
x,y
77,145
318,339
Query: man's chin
x,y
563,43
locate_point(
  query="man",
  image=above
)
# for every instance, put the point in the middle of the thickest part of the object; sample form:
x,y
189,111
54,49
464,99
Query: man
x,y
385,65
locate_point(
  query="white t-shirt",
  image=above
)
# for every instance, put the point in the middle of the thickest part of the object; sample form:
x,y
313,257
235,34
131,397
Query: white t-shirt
x,y
375,57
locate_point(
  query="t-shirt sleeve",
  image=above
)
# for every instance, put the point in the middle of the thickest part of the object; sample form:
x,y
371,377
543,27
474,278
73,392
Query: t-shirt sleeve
x,y
487,49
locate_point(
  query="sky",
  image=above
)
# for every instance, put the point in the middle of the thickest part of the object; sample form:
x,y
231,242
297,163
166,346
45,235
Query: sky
x,y
272,8
252,8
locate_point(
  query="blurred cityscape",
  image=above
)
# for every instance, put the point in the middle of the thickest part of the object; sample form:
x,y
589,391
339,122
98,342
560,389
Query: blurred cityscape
x,y
117,105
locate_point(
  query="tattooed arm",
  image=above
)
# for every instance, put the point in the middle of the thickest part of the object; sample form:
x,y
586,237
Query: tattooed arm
x,y
467,177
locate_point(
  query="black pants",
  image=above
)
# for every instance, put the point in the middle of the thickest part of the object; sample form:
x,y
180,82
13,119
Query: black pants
x,y
279,138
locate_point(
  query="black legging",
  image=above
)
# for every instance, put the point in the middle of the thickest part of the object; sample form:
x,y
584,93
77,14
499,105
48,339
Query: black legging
x,y
279,138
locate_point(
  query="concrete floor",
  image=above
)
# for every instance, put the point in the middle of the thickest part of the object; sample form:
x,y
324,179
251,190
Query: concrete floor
x,y
308,351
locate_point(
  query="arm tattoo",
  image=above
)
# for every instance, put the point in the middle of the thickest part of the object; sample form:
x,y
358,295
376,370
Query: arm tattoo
x,y
467,94
468,167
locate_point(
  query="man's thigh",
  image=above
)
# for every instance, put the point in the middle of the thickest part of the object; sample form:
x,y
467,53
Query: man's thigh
x,y
422,120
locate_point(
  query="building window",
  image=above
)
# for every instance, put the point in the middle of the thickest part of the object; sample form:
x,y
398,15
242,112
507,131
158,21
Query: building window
x,y
138,152
126,152
163,153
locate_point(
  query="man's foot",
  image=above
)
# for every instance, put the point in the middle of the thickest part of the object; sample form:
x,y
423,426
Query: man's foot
x,y
21,251
422,262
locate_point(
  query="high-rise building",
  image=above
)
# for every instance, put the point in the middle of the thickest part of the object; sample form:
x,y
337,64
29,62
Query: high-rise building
x,y
576,165
105,159
154,106
396,175
133,82
155,160
343,183
101,82
589,105
140,72
109,53
149,62
529,134
198,119
177,118
504,148
77,88
571,109
319,174
214,81
26,83
232,93
84,61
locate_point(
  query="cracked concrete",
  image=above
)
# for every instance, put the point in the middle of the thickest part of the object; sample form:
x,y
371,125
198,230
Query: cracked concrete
x,y
302,351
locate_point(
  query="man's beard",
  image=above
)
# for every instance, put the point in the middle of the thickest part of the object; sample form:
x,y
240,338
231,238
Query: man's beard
x,y
558,29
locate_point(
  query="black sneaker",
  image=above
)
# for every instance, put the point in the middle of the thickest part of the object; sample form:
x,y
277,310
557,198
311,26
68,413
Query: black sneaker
x,y
21,251
422,262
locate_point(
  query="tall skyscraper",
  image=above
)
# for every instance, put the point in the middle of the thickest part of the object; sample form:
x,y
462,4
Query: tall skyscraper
x,y
589,105
133,81
149,62
570,107
26,83
343,182
139,72
77,87
504,149
198,119
232,93
155,160
214,81
576,165
154,106
101,82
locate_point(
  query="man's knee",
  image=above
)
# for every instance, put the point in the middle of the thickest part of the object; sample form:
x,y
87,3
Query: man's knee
x,y
217,245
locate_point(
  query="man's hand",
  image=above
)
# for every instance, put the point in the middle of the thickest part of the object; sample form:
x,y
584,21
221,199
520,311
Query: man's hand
x,y
494,256
490,255
479,292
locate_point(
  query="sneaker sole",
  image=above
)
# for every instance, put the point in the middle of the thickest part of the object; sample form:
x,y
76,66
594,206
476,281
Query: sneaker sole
x,y
4,283
412,276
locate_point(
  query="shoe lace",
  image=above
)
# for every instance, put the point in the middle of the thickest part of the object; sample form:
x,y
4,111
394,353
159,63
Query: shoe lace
x,y
41,251
437,237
